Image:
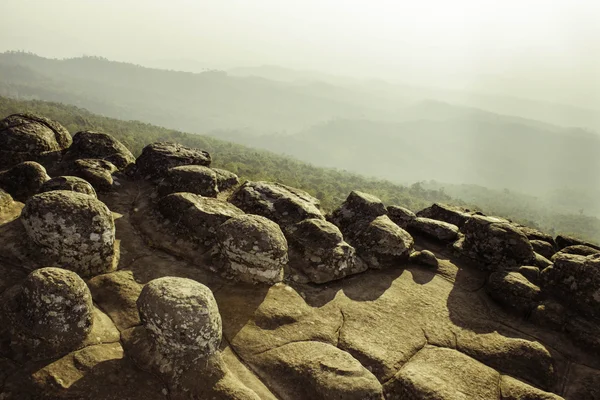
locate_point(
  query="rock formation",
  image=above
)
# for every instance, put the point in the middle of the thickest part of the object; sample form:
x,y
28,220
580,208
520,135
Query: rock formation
x,y
72,183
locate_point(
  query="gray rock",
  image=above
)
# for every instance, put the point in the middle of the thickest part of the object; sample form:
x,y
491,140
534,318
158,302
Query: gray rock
x,y
71,183
513,290
28,137
357,212
225,179
541,262
579,249
401,216
563,241
181,318
198,215
157,158
383,243
544,248
23,180
195,179
51,312
443,212
440,230
535,234
549,313
97,145
531,273
97,172
252,248
318,249
496,243
72,230
280,203
424,257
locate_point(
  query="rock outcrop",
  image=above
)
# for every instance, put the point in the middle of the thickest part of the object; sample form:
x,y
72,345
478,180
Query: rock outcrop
x,y
157,158
439,230
443,212
99,173
71,183
23,180
98,145
195,179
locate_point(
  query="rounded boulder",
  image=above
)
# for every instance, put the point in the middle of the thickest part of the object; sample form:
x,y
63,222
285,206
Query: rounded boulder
x,y
71,183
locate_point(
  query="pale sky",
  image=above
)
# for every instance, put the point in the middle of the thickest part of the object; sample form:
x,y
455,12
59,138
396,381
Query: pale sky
x,y
546,49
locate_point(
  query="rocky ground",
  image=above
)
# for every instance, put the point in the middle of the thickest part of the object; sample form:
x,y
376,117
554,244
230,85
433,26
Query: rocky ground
x,y
162,278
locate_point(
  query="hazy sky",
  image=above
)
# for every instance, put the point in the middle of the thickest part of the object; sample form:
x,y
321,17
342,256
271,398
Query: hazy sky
x,y
539,48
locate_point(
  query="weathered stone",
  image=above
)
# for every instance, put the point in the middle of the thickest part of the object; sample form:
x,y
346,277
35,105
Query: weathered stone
x,y
72,230
195,179
549,313
181,318
541,262
199,215
583,383
401,216
97,145
438,373
439,230
280,203
71,183
443,212
513,290
575,280
563,241
383,243
23,180
357,212
97,172
531,273
513,389
28,137
225,179
5,199
579,249
157,158
585,332
51,312
535,234
253,248
424,257
315,370
318,249
542,247
496,243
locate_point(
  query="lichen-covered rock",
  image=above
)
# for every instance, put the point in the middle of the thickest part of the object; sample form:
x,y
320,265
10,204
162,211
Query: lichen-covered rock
x,y
97,172
535,234
71,183
496,243
23,180
5,200
51,312
97,145
181,318
541,262
542,247
443,212
225,179
318,249
253,248
357,212
28,137
513,389
196,214
72,230
580,249
189,178
424,257
157,158
575,280
383,243
440,230
563,241
401,216
513,290
280,203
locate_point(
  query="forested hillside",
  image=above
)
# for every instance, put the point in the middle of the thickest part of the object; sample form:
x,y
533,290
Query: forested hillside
x,y
331,186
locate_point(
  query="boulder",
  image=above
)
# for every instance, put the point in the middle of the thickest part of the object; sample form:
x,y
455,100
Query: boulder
x,y
575,280
550,314
317,371
97,145
23,180
443,212
542,247
357,212
496,243
424,257
541,262
401,216
97,172
225,179
72,230
318,249
195,179
5,200
535,234
531,273
50,313
580,249
181,318
197,215
383,243
252,248
71,183
280,203
513,389
28,137
157,158
439,230
563,241
513,290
